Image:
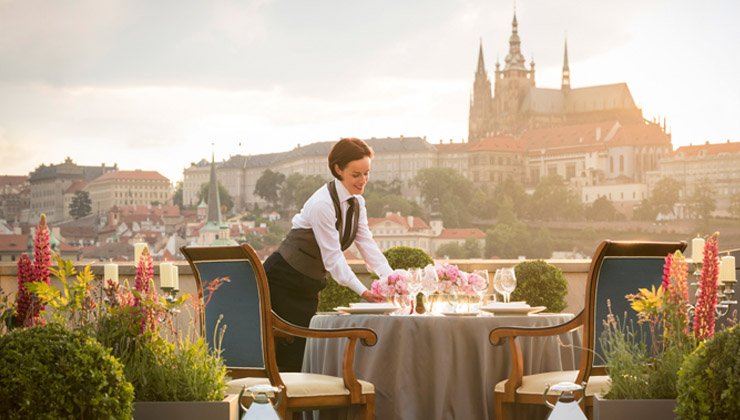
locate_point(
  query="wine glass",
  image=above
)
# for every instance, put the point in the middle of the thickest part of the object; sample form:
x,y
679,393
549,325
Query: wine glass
x,y
497,282
480,283
429,283
508,282
414,286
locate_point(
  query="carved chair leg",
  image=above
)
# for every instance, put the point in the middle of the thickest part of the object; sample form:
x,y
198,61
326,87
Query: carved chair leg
x,y
369,408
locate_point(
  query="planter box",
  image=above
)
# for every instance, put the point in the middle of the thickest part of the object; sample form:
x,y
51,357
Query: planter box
x,y
228,409
633,409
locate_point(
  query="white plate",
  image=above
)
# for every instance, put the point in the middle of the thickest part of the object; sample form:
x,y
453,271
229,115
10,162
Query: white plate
x,y
514,310
380,310
460,313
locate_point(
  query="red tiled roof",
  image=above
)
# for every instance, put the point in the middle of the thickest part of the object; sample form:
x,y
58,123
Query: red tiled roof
x,y
640,135
76,186
12,180
593,137
499,144
138,175
13,243
709,149
462,234
416,223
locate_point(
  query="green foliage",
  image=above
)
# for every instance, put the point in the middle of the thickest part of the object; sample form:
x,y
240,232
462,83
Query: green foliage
x,y
470,249
74,303
735,205
447,191
645,211
553,201
227,202
507,241
540,284
709,379
177,198
601,210
515,191
664,195
81,205
701,202
407,257
378,203
335,295
268,186
49,372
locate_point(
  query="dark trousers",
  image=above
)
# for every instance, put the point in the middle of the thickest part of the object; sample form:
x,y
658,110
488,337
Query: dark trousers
x,y
295,298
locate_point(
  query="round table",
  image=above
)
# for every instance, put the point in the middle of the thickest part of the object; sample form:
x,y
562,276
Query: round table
x,y
438,367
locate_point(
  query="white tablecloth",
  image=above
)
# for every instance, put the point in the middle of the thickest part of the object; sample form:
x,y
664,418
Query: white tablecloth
x,y
437,367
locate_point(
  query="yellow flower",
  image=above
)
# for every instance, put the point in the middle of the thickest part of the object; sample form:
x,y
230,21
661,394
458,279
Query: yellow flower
x,y
647,300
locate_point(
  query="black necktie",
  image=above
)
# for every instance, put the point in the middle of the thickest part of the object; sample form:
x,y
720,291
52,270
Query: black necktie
x,y
349,220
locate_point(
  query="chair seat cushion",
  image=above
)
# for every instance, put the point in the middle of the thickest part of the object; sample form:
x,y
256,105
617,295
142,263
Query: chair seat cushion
x,y
299,384
535,384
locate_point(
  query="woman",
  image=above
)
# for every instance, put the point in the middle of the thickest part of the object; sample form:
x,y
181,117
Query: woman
x,y
330,221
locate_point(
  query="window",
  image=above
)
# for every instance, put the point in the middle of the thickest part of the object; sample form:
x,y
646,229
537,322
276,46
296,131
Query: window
x,y
611,164
621,164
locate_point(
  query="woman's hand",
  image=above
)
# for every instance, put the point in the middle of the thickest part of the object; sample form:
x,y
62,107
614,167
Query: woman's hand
x,y
372,297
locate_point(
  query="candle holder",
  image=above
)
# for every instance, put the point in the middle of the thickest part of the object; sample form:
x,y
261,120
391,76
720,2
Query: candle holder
x,y
725,298
170,294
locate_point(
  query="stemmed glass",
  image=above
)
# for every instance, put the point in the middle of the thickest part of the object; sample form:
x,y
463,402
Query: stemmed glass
x,y
414,286
481,286
508,282
429,282
497,280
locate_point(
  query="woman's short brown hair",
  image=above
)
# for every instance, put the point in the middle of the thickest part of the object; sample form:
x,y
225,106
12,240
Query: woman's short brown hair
x,y
345,151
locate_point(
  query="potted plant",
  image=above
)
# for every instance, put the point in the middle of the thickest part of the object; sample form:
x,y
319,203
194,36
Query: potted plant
x,y
173,373
540,284
643,363
709,379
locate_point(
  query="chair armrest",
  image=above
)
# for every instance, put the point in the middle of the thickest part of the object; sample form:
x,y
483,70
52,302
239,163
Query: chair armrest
x,y
516,374
368,336
498,334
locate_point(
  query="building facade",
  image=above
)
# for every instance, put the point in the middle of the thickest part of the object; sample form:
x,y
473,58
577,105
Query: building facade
x,y
128,188
48,185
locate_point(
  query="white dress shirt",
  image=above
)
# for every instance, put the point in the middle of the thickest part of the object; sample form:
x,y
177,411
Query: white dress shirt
x,y
318,214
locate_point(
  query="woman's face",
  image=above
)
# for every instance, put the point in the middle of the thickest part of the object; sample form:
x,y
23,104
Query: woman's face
x,y
355,175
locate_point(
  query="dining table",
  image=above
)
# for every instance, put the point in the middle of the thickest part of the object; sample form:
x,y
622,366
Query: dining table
x,y
436,366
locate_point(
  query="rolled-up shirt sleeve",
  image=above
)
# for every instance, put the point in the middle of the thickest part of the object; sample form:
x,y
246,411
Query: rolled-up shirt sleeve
x,y
324,217
367,246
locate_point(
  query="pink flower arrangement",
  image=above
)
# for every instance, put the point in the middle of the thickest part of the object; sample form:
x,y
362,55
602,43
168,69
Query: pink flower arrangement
x,y
707,300
454,281
394,284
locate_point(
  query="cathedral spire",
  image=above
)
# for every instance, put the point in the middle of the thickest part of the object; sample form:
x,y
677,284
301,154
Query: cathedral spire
x,y
566,70
514,60
214,202
481,64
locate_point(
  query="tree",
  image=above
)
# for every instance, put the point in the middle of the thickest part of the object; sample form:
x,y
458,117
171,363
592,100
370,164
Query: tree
x,y
483,205
701,202
305,189
451,250
735,205
549,198
288,193
472,248
601,210
227,202
268,186
645,211
514,190
81,205
665,195
177,199
507,241
446,189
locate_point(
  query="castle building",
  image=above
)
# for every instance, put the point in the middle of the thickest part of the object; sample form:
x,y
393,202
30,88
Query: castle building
x,y
517,104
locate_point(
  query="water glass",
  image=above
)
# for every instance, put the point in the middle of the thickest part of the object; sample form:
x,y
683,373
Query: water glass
x,y
508,282
429,284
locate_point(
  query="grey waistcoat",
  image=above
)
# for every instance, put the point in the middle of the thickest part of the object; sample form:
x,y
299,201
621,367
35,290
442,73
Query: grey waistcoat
x,y
302,252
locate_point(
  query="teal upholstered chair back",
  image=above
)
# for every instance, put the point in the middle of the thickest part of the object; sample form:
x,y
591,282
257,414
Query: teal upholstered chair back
x,y
235,303
624,268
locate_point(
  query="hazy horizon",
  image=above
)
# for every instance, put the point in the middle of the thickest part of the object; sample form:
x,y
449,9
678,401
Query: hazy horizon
x,y
150,85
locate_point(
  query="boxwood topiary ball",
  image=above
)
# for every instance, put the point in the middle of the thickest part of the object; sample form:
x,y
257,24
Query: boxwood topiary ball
x,y
49,372
540,284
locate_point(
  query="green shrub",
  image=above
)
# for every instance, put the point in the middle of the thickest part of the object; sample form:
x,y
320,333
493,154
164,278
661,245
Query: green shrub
x,y
709,379
49,372
161,370
540,284
398,257
406,257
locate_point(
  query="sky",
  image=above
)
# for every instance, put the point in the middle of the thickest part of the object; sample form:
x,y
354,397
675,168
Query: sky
x,y
156,85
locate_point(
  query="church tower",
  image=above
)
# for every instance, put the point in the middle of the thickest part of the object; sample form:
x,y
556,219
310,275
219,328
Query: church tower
x,y
565,86
481,109
512,86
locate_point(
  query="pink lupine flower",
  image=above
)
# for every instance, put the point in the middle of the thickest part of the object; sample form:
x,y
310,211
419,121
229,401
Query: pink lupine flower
x,y
42,251
26,310
707,300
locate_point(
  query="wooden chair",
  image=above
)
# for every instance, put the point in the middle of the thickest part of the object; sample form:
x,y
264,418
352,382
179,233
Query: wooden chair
x,y
248,347
617,269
